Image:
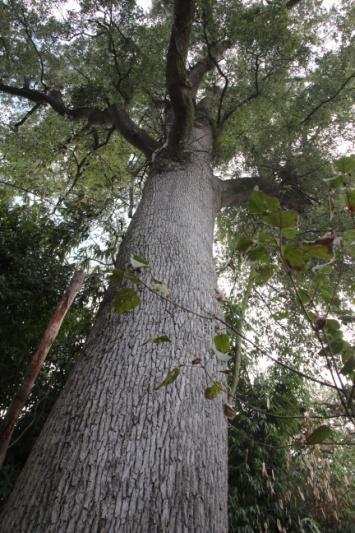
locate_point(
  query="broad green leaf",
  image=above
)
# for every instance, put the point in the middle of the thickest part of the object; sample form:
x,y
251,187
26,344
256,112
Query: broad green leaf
x,y
170,378
281,219
222,343
289,233
263,273
349,366
258,253
319,435
158,340
317,250
296,258
259,202
125,300
332,326
213,391
119,275
138,261
265,237
336,345
243,244
345,164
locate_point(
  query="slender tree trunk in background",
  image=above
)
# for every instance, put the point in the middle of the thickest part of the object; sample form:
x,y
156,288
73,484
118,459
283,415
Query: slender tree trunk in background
x,y
38,358
115,455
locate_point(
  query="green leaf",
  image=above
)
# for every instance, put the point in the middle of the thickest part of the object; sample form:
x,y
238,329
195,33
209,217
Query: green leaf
x,y
345,164
222,343
350,200
317,250
213,391
137,261
263,273
289,233
260,202
265,237
349,366
221,347
296,258
336,345
258,253
119,276
243,244
170,378
320,434
158,340
125,300
332,326
281,219
349,234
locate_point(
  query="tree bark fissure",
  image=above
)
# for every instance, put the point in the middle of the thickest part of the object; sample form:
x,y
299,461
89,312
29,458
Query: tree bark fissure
x,y
115,454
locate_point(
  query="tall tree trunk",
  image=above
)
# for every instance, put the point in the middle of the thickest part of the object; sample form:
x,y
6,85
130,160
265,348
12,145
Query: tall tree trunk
x,y
116,455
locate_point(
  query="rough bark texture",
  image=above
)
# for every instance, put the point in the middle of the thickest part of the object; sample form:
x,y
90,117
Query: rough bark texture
x,y
115,455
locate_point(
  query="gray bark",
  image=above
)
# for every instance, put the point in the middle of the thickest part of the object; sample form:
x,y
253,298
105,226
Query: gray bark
x,y
115,455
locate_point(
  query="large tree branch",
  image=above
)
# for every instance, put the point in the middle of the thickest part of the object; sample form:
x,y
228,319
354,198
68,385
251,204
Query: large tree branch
x,y
206,64
131,132
35,96
114,115
177,81
236,191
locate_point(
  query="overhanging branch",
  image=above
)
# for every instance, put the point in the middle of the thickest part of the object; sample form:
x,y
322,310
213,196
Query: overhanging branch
x,y
130,131
114,115
236,191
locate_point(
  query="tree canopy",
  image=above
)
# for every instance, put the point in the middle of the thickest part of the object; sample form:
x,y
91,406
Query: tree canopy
x,y
94,95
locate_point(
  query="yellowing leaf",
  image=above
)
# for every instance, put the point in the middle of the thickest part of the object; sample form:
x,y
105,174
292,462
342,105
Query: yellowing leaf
x,y
213,391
